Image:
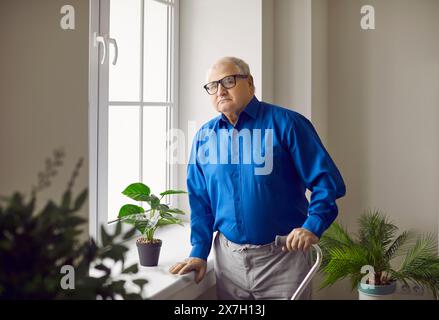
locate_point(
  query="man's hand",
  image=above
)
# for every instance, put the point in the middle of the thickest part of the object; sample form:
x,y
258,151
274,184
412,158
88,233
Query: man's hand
x,y
300,239
191,264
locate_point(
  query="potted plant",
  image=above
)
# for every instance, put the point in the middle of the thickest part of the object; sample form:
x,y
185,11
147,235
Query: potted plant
x,y
38,241
147,222
368,258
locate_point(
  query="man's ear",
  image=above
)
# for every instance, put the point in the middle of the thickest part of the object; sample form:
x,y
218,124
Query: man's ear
x,y
251,83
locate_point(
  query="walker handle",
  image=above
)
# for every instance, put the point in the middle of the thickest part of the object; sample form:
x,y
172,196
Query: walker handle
x,y
280,241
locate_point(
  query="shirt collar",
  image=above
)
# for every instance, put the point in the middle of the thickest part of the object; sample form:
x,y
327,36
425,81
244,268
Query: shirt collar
x,y
252,109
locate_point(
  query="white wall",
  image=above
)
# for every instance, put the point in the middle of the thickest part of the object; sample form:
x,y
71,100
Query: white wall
x,y
292,55
383,112
319,68
268,45
210,30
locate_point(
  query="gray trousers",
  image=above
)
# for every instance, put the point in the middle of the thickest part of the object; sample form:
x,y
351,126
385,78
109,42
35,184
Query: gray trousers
x,y
248,272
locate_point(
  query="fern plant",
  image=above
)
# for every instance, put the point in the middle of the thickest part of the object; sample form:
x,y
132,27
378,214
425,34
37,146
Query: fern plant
x,y
378,244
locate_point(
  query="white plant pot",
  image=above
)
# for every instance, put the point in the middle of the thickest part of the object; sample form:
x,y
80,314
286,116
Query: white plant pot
x,y
375,292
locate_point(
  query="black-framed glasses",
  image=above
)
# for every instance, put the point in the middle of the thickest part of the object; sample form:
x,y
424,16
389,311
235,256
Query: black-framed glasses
x,y
227,82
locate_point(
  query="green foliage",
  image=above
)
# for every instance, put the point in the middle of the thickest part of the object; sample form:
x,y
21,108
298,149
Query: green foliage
x,y
36,244
160,214
377,244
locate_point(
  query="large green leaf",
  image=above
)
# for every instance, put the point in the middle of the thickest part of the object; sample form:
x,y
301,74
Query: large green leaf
x,y
153,201
137,191
172,192
162,207
166,221
105,237
129,209
131,296
166,215
66,199
74,221
142,226
139,221
131,269
140,282
117,252
118,229
175,210
80,200
129,234
103,267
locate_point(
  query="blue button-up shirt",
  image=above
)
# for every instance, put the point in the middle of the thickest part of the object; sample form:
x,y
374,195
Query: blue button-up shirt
x,y
249,181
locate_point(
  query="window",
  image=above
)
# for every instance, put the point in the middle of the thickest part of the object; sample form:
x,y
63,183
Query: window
x,y
133,72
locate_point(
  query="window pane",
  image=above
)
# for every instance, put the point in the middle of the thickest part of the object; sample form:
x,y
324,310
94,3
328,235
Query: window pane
x,y
154,148
155,51
124,84
123,155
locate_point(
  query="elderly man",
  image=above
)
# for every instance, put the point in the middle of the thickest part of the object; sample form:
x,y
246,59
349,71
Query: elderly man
x,y
248,207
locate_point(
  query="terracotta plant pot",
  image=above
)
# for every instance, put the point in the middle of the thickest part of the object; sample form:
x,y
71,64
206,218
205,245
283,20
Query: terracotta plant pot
x,y
149,253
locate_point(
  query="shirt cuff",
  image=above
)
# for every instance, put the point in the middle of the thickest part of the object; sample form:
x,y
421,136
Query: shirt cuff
x,y
314,224
200,251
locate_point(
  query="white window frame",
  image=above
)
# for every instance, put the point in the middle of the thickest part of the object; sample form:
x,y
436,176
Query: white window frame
x,y
98,136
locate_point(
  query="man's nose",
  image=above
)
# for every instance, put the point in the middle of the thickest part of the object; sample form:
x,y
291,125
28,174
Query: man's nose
x,y
221,90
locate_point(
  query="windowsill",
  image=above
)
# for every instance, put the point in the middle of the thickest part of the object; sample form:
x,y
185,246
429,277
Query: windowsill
x,y
161,283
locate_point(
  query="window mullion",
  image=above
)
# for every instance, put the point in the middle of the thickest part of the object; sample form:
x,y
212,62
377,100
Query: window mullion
x,y
142,43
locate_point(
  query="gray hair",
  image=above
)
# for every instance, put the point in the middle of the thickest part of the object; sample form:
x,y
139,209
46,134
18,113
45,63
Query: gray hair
x,y
239,63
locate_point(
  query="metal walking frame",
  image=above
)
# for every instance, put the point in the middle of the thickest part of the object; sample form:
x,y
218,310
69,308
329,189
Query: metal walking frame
x,y
281,240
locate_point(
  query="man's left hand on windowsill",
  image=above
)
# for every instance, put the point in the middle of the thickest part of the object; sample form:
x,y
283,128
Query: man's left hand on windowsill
x,y
191,264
